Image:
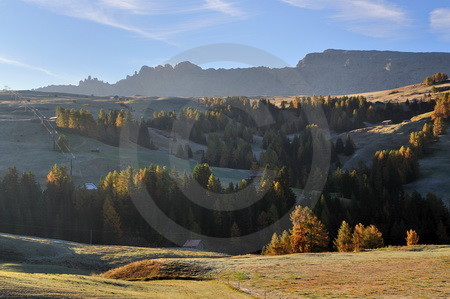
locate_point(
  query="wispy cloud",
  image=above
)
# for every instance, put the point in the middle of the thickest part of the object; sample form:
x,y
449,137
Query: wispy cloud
x,y
440,22
224,7
375,18
309,4
7,61
153,19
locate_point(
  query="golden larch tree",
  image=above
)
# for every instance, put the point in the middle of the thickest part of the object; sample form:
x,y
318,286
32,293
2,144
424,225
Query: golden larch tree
x,y
412,237
343,241
308,233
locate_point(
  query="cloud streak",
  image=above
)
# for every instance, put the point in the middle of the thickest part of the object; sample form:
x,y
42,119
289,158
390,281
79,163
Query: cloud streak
x,y
440,22
147,18
7,61
223,7
375,18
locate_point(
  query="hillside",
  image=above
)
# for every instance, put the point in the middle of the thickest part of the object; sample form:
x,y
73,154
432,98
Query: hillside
x,y
380,137
27,145
329,72
395,271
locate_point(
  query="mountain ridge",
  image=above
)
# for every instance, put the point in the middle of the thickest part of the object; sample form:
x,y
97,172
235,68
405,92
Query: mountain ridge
x,y
329,72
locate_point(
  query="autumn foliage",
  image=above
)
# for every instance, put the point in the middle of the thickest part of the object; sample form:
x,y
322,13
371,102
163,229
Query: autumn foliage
x,y
308,234
344,241
435,79
412,238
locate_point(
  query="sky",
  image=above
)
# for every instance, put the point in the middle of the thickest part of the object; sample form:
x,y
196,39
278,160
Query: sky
x,y
46,42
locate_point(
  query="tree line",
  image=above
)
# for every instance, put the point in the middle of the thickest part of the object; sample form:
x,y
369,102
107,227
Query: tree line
x,y
109,215
108,127
376,195
435,79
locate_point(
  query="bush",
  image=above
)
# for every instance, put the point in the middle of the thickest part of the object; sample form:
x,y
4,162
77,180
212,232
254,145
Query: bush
x,y
412,238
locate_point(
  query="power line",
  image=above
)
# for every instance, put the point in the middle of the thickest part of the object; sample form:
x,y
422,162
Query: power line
x,y
45,122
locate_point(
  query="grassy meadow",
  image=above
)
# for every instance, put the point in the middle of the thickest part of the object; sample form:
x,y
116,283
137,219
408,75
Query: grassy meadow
x,y
53,268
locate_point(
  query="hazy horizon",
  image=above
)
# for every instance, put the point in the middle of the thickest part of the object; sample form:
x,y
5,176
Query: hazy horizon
x,y
62,42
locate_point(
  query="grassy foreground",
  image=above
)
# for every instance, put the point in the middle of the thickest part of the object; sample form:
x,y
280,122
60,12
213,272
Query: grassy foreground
x,y
52,268
20,284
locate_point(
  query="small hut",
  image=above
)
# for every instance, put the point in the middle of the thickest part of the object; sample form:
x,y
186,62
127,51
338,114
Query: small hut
x,y
194,244
90,186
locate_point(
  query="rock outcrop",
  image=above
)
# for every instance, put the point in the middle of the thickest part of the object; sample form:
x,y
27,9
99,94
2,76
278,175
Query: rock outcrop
x,y
331,72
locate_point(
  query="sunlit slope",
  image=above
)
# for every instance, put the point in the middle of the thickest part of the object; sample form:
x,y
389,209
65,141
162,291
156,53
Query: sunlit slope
x,y
27,145
415,271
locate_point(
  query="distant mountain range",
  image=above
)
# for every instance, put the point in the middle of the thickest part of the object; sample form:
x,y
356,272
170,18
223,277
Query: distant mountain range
x,y
332,72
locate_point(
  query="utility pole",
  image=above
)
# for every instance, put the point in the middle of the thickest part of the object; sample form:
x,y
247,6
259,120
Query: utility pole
x,y
90,237
71,166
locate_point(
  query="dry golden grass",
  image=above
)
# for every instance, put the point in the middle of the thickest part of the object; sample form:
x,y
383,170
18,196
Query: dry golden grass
x,y
414,271
418,271
38,285
157,270
82,256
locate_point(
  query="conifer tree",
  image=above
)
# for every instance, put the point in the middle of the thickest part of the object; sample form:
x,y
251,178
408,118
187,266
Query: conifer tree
x,y
412,238
308,233
343,241
274,247
339,147
349,146
214,184
358,237
201,174
438,126
111,223
372,238
235,231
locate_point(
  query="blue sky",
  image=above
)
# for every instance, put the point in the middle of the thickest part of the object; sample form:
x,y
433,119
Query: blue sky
x,y
63,41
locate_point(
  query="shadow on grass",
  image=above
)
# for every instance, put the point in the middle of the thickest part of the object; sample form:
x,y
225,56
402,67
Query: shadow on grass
x,y
44,269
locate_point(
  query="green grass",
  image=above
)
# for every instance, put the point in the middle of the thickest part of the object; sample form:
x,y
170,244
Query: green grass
x,y
110,158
